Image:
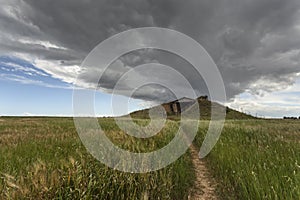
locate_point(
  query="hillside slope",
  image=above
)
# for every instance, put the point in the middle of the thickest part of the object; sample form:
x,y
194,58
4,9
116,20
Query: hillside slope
x,y
205,112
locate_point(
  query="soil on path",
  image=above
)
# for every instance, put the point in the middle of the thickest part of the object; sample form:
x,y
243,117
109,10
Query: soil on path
x,y
205,185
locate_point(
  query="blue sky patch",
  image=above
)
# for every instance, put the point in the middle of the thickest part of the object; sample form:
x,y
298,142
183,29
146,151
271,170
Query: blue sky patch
x,y
18,70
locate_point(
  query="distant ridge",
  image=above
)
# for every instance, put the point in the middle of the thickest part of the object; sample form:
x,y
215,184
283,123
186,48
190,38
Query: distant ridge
x,y
173,109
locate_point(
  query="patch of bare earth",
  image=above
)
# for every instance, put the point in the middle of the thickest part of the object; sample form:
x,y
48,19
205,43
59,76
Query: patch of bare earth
x,y
205,185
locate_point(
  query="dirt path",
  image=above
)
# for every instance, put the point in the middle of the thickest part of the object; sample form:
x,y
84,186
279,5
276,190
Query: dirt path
x,y
205,186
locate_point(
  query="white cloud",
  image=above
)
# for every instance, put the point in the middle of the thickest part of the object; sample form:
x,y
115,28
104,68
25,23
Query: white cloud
x,y
24,80
266,85
66,74
284,102
46,44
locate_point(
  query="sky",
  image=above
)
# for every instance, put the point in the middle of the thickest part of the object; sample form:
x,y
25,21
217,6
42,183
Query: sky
x,y
254,43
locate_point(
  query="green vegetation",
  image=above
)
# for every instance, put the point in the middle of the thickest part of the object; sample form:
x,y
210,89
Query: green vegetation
x,y
256,159
42,158
205,112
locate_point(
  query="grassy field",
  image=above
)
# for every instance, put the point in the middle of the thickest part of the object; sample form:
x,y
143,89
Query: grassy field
x,y
43,158
256,159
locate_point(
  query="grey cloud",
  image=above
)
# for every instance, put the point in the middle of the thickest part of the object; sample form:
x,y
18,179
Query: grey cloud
x,y
131,62
83,24
249,40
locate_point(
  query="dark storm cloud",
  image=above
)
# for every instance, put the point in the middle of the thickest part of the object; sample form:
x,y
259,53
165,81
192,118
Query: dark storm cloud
x,y
83,24
250,41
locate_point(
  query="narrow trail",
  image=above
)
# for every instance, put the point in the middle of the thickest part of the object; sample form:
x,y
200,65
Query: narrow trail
x,y
205,186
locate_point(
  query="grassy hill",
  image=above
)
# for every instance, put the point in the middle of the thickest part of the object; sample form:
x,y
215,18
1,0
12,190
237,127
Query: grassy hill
x,y
205,112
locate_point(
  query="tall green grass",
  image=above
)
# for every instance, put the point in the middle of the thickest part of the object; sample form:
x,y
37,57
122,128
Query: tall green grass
x,y
257,159
43,158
